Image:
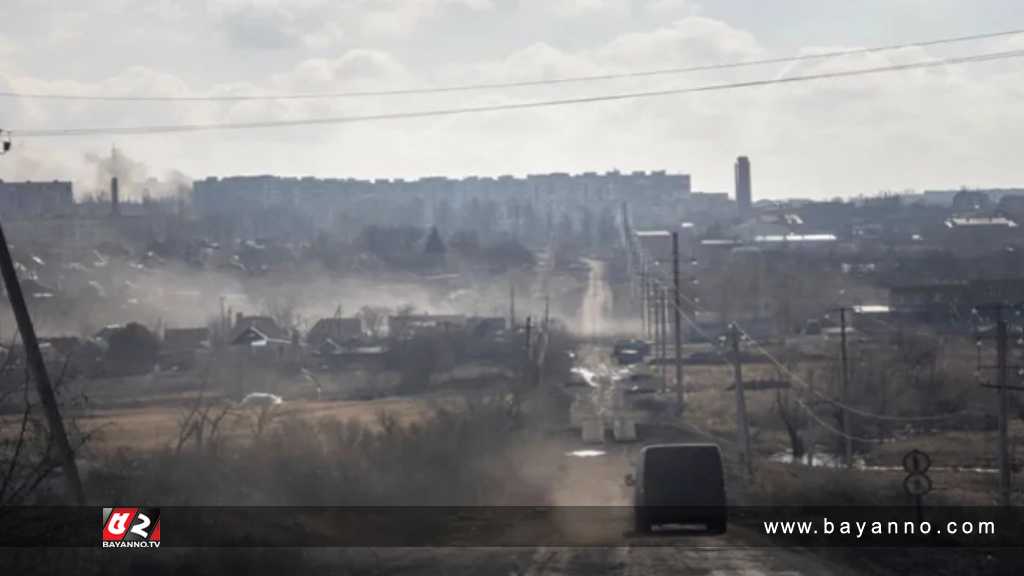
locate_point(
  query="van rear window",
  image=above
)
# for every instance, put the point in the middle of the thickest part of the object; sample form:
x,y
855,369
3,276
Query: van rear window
x,y
681,476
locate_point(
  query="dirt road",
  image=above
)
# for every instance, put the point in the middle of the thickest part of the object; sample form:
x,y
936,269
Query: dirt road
x,y
597,302
705,559
593,477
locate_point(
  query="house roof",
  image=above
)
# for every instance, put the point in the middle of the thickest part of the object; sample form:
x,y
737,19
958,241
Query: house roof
x,y
35,289
254,336
328,347
107,331
265,325
805,238
969,222
429,318
407,323
335,328
62,344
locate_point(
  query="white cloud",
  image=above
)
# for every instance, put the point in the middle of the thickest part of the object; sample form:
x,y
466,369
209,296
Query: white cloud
x,y
670,8
260,26
844,136
693,40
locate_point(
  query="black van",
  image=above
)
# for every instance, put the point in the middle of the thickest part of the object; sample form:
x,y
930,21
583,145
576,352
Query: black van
x,y
679,484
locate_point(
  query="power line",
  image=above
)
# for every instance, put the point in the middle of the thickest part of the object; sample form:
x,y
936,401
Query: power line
x,y
803,385
803,405
201,127
799,402
814,416
513,84
796,378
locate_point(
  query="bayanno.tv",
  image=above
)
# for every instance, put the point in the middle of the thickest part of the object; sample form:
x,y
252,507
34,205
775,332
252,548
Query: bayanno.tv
x,y
131,527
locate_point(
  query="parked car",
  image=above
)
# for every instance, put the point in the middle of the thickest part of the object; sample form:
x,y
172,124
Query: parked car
x,y
628,352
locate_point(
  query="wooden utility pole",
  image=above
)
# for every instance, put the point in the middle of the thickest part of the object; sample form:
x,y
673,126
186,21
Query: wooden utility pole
x,y
547,311
742,426
677,321
34,358
653,322
511,305
528,363
1004,387
627,237
812,432
664,335
643,300
656,318
1004,450
652,332
844,396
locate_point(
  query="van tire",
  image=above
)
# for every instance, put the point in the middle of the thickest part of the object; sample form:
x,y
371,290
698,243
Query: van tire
x,y
716,526
641,522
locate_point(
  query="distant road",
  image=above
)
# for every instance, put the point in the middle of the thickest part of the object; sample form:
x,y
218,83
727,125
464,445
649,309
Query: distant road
x,y
598,481
597,302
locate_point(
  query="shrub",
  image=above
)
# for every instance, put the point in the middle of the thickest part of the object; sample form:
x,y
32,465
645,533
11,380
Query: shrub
x,y
132,350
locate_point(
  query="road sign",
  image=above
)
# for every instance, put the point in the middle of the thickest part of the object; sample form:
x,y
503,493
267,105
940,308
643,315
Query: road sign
x,y
917,484
916,462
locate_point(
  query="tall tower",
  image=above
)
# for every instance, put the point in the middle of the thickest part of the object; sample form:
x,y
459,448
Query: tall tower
x,y
115,193
743,191
115,197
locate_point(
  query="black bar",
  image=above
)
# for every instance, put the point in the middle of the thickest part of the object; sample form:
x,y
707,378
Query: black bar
x,y
270,527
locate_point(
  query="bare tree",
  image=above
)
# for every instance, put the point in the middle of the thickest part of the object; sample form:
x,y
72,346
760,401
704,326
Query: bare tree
x,y
283,310
794,420
373,318
28,456
202,421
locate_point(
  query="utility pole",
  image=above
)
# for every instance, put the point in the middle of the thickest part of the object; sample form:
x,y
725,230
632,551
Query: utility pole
x,y
659,353
511,305
848,441
812,432
547,310
627,236
677,317
643,299
663,323
651,307
36,364
742,426
528,363
1004,451
58,434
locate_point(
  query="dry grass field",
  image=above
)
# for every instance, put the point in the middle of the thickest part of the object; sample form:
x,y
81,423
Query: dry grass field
x,y
144,429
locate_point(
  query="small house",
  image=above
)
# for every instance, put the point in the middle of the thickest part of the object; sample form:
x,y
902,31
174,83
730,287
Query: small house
x,y
339,331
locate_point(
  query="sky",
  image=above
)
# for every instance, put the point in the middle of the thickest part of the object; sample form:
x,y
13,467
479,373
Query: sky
x,y
943,127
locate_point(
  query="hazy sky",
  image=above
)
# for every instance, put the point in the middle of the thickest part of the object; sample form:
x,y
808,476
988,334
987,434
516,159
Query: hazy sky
x,y
942,127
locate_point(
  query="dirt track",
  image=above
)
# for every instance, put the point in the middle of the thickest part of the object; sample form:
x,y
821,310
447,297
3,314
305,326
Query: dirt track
x,y
597,481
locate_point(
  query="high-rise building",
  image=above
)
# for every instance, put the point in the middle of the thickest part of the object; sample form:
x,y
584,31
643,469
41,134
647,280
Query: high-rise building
x,y
743,192
35,199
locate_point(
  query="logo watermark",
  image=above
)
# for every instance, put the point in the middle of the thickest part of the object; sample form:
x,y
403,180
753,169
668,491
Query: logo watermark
x,y
127,527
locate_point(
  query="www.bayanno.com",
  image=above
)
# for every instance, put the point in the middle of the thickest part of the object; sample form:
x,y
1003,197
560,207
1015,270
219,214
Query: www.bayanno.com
x,y
860,529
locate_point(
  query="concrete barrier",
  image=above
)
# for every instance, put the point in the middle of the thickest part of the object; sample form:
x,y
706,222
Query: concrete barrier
x,y
593,431
624,430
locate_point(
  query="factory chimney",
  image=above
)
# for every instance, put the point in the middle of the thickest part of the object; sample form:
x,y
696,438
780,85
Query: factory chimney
x,y
743,187
115,198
